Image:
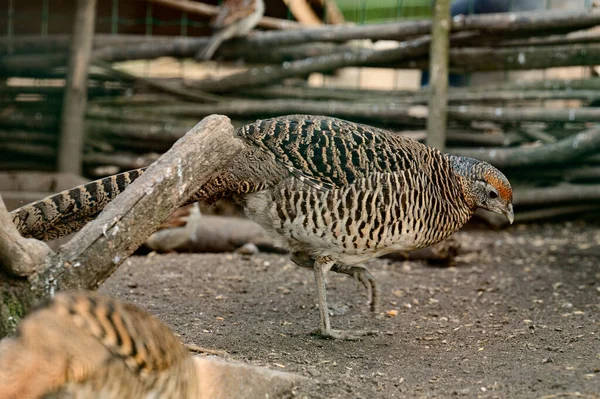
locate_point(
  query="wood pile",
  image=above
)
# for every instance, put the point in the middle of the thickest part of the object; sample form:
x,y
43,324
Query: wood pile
x,y
552,155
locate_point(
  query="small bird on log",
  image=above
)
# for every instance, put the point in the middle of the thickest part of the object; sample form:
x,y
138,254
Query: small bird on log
x,y
86,345
235,18
332,192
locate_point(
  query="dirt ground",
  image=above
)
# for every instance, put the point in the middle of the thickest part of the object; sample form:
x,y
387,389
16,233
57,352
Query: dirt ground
x,y
521,319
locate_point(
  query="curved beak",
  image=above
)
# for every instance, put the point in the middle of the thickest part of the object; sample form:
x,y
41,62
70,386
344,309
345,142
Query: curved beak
x,y
510,214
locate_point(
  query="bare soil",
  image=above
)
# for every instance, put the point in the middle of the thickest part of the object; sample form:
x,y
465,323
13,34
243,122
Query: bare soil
x,y
520,319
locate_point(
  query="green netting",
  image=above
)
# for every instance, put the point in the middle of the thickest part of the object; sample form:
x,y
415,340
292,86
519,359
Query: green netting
x,y
361,11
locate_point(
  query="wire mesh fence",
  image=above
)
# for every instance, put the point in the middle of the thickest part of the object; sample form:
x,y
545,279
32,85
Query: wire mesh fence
x,y
118,17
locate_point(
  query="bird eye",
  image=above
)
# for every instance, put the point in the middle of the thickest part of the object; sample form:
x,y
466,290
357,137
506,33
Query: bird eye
x,y
493,194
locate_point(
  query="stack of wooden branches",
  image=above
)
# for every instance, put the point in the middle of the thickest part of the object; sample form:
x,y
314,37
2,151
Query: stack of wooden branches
x,y
552,154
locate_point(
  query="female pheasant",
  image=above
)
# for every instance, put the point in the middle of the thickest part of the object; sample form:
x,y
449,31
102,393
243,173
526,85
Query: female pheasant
x,y
335,194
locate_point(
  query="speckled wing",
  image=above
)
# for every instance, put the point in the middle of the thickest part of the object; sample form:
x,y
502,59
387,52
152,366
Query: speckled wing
x,y
328,152
232,11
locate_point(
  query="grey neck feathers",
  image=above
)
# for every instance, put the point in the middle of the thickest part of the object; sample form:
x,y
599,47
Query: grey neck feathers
x,y
469,168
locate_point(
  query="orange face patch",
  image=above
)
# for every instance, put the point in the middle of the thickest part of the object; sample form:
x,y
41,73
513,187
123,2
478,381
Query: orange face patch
x,y
504,190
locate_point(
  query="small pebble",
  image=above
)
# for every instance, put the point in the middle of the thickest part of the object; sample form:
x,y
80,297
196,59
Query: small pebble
x,y
248,249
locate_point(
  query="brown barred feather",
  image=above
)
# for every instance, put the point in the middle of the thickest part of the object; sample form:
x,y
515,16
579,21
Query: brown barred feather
x,y
68,211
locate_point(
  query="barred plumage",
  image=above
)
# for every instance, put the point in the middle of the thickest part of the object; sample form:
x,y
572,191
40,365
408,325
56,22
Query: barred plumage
x,y
68,211
337,193
86,345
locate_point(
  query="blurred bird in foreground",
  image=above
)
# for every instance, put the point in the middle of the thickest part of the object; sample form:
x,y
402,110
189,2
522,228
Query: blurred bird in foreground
x,y
236,18
85,345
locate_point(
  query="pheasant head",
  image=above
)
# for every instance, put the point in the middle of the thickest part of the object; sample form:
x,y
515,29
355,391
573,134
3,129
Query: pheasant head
x,y
484,186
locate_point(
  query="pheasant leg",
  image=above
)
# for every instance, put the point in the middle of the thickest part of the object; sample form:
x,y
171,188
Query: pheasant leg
x,y
360,273
363,276
321,267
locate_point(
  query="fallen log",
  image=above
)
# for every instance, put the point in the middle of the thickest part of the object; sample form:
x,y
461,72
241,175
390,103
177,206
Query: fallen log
x,y
478,59
187,47
26,136
124,161
300,89
206,233
194,232
34,149
398,111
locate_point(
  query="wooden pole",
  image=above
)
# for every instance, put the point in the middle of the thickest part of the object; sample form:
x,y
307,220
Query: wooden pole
x,y
438,70
75,99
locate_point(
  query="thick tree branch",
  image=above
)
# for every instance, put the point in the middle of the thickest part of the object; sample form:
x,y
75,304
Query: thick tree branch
x,y
568,149
102,245
93,254
19,256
